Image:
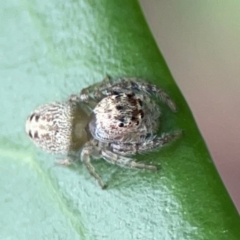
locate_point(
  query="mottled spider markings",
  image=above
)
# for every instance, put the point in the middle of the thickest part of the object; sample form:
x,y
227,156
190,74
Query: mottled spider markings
x,y
58,127
112,120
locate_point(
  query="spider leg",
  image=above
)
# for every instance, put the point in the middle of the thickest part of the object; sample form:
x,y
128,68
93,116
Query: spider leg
x,y
96,90
159,142
147,145
85,157
70,158
122,161
87,104
64,162
73,98
138,84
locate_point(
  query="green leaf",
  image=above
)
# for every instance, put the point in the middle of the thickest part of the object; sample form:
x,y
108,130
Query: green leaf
x,y
51,49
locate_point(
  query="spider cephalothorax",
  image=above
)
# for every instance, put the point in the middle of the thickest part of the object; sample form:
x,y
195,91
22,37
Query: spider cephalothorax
x,y
110,120
124,117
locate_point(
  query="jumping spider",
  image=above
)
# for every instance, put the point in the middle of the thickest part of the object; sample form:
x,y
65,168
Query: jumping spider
x,y
112,120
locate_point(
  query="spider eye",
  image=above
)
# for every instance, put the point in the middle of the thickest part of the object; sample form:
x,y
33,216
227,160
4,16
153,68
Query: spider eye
x,y
121,125
130,95
119,107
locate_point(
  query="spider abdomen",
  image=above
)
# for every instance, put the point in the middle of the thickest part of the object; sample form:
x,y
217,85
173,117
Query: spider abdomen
x,y
58,127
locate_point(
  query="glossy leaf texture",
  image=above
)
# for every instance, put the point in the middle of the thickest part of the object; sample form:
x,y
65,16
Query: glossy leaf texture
x,y
51,49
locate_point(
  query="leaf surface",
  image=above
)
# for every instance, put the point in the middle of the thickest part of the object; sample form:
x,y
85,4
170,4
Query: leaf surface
x,y
51,49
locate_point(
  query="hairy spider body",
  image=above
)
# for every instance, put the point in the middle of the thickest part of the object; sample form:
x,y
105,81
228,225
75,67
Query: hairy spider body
x,y
58,127
124,117
110,120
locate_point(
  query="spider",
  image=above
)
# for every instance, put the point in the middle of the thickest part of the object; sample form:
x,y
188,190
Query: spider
x,y
113,120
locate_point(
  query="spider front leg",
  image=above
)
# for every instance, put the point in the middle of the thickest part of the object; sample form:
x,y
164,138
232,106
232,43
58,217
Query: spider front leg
x,y
147,145
159,142
138,84
125,161
87,104
86,154
96,90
